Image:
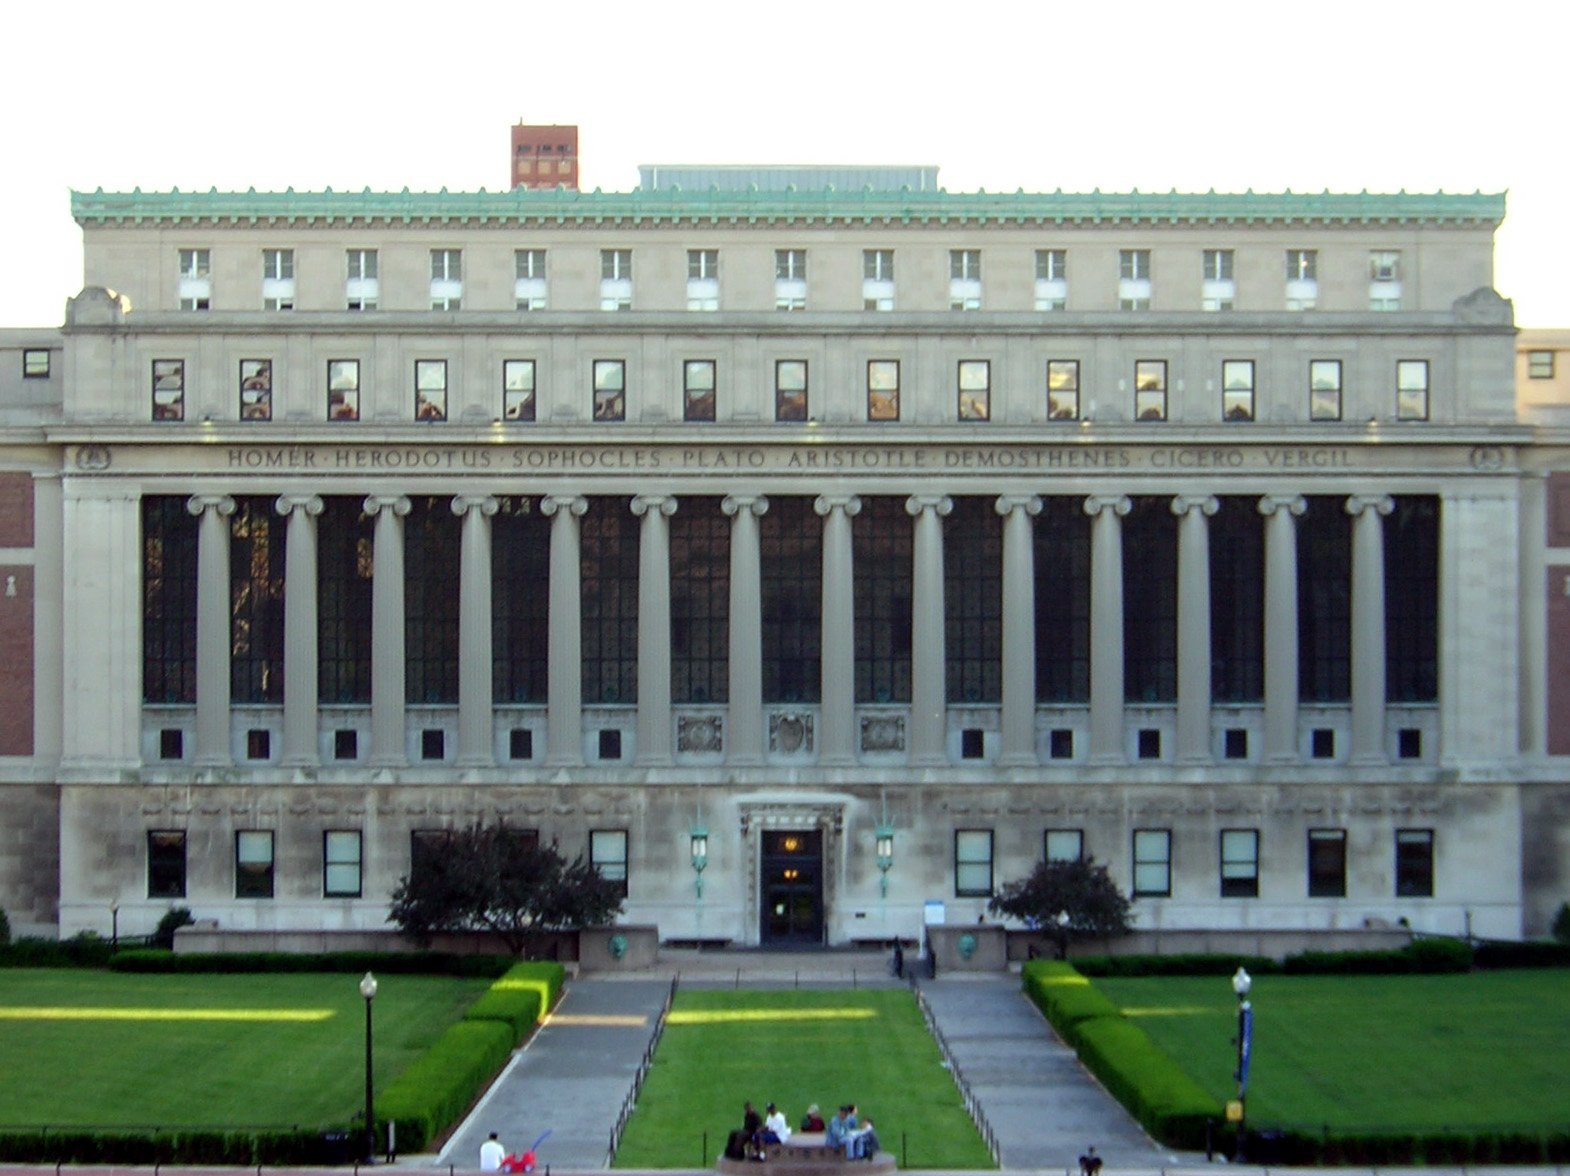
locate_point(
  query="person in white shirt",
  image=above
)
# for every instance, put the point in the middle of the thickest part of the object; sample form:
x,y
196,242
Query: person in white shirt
x,y
491,1154
775,1125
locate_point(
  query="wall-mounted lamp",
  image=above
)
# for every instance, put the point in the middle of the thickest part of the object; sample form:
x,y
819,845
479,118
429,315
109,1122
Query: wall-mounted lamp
x,y
885,835
700,855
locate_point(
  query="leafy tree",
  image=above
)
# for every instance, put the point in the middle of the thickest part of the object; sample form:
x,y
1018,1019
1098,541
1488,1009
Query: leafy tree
x,y
174,918
1096,908
491,878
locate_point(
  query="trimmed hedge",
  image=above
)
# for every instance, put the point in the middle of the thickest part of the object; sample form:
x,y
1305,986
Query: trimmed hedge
x,y
228,1148
1368,1149
520,998
85,951
1428,955
1533,954
1139,1074
1191,964
439,1087
429,963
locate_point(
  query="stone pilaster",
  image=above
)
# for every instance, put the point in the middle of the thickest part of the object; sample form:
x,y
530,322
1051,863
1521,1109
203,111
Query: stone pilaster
x,y
1019,629
654,627
476,724
928,666
837,742
744,720
1281,512
564,674
212,628
388,747
1368,513
1106,626
1193,717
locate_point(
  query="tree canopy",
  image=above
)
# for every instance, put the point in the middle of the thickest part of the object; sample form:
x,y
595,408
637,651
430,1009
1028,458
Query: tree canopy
x,y
1096,908
492,878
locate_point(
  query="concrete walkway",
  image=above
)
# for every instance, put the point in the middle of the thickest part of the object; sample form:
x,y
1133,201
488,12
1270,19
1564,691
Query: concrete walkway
x,y
571,1078
575,1073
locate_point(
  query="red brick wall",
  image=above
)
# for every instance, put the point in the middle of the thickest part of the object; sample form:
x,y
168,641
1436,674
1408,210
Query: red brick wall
x,y
16,510
16,660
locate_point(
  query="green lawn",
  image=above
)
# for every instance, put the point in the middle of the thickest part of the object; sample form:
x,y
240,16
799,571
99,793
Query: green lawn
x,y
796,1048
1365,1053
84,1048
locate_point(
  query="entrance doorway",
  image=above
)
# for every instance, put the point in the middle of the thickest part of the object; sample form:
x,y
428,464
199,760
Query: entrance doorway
x,y
791,887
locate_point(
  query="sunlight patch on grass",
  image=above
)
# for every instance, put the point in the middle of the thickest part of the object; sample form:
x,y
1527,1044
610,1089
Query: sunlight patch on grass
x,y
76,1013
719,1016
1170,1011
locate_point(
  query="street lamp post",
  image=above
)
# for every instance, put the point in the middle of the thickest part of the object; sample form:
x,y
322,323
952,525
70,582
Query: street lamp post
x,y
1241,983
1063,920
368,991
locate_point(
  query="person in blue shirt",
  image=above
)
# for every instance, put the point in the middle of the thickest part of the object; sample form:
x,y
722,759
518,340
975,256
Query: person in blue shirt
x,y
834,1134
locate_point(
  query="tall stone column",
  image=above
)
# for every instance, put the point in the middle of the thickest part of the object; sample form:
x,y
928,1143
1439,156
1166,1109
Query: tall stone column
x,y
1193,713
564,670
1019,629
1368,513
837,705
212,628
928,666
301,663
1106,626
744,720
388,748
654,627
1281,696
476,719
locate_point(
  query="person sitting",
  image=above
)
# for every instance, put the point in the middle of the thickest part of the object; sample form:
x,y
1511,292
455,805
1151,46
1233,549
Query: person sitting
x,y
752,1127
862,1143
775,1129
852,1121
834,1134
1089,1163
812,1120
492,1153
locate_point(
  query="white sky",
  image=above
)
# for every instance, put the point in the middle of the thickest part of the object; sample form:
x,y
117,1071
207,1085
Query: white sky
x,y
1214,94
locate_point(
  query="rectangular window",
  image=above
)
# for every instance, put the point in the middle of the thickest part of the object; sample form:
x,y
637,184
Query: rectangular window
x,y
1134,279
790,279
1414,863
703,279
1302,289
1237,389
1218,291
341,863
1063,389
256,389
610,389
196,279
1240,863
35,363
883,389
430,389
1063,845
253,863
517,389
528,287
446,279
362,289
1152,863
166,863
975,389
964,279
343,389
608,855
615,279
168,389
1384,280
1327,863
973,863
697,377
1539,365
877,279
1324,389
1150,390
1412,390
277,279
790,389
1051,279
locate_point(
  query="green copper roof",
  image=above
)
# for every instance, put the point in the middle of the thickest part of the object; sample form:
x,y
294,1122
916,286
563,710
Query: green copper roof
x,y
568,207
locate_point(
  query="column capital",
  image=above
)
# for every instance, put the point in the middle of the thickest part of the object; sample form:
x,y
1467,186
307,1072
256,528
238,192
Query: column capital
x,y
664,504
397,504
918,503
1205,504
824,504
199,504
1380,503
1293,504
1007,504
1118,504
571,503
486,504
310,504
734,504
